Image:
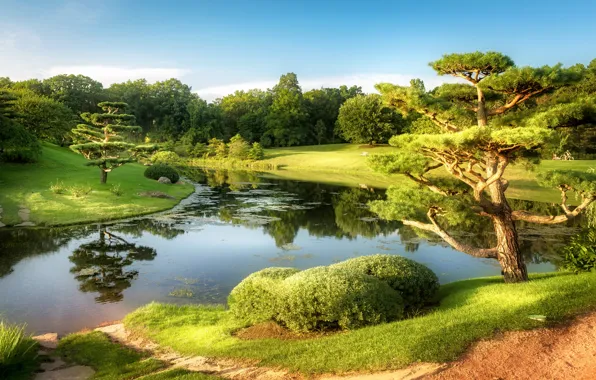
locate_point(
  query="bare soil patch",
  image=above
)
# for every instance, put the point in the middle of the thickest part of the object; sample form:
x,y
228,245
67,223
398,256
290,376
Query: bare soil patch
x,y
560,353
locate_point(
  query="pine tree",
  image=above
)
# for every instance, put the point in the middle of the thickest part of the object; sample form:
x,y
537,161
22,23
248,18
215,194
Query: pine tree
x,y
101,141
479,130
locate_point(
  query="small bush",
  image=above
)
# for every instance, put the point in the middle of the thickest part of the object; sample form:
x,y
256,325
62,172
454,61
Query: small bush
x,y
416,283
160,170
328,298
80,191
165,157
17,350
238,148
58,187
255,299
116,190
580,254
198,150
256,152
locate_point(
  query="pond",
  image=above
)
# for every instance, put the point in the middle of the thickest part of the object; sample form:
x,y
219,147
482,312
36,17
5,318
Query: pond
x,y
65,279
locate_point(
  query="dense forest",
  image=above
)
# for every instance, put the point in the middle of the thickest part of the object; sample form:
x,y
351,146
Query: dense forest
x,y
170,112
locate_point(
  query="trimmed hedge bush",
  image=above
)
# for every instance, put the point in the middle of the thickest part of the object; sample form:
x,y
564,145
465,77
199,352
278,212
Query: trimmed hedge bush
x,y
416,283
160,170
255,299
327,298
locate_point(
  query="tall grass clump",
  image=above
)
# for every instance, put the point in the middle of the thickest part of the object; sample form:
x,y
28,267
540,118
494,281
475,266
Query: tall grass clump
x,y
17,350
58,187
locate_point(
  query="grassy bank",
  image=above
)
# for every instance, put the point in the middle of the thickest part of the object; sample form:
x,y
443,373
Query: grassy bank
x,y
29,185
469,310
114,362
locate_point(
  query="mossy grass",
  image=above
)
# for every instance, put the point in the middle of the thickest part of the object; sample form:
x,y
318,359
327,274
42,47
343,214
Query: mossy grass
x,y
114,362
467,311
34,186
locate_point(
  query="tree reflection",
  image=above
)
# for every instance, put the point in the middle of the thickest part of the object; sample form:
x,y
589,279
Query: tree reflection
x,y
101,265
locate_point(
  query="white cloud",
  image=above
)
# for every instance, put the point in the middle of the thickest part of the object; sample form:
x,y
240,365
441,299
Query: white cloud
x,y
366,81
113,74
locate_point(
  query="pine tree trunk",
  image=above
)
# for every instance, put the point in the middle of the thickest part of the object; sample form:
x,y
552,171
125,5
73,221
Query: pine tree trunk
x,y
509,253
104,176
481,114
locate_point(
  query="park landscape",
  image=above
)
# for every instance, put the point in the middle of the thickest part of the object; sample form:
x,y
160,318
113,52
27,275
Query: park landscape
x,y
412,231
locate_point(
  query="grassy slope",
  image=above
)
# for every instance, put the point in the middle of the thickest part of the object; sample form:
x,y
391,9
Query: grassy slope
x,y
469,310
29,185
343,164
114,362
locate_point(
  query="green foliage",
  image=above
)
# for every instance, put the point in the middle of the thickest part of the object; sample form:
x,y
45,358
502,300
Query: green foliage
x,y
256,152
165,157
287,120
238,148
416,283
58,187
80,191
527,79
329,298
580,254
78,92
116,190
198,150
583,183
17,350
467,63
256,298
161,170
365,119
217,148
16,143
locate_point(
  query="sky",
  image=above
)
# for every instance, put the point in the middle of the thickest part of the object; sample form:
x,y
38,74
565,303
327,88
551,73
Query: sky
x,y
221,46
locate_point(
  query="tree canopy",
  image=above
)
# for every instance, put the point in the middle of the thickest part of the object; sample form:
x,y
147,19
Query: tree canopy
x,y
503,115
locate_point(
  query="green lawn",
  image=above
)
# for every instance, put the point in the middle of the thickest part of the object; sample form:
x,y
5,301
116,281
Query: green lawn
x,y
114,362
469,310
29,185
343,164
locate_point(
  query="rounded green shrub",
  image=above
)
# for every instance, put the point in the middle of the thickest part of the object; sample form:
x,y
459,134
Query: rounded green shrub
x,y
165,157
328,298
416,283
255,299
160,170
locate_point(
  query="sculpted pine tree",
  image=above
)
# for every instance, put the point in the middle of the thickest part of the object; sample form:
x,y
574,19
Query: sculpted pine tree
x,y
480,129
101,141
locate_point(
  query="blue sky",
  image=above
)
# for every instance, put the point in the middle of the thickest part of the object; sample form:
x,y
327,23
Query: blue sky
x,y
219,46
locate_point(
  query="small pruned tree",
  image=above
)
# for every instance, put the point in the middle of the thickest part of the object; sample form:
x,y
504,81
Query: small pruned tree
x,y
473,144
365,119
101,141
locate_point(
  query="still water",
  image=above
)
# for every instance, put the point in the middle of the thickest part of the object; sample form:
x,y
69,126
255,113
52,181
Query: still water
x,y
66,279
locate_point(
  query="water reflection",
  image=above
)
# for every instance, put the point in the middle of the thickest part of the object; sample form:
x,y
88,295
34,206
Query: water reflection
x,y
101,266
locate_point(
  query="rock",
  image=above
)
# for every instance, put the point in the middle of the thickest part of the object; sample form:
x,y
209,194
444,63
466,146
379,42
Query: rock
x,y
78,372
164,180
49,340
2,225
155,194
24,214
25,224
54,365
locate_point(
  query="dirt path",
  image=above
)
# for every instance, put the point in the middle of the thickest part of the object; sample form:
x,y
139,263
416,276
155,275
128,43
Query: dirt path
x,y
567,352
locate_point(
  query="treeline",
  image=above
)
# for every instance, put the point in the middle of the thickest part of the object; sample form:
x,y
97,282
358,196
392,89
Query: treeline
x,y
168,111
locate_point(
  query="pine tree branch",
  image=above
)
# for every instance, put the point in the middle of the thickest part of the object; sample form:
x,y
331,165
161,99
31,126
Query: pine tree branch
x,y
567,215
445,125
435,228
517,99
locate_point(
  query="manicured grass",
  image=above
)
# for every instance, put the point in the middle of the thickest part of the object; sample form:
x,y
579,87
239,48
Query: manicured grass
x,y
29,185
114,362
469,310
343,164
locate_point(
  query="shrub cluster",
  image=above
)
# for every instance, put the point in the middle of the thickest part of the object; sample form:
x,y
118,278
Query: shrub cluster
x,y
358,292
415,282
165,157
580,254
255,299
161,170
